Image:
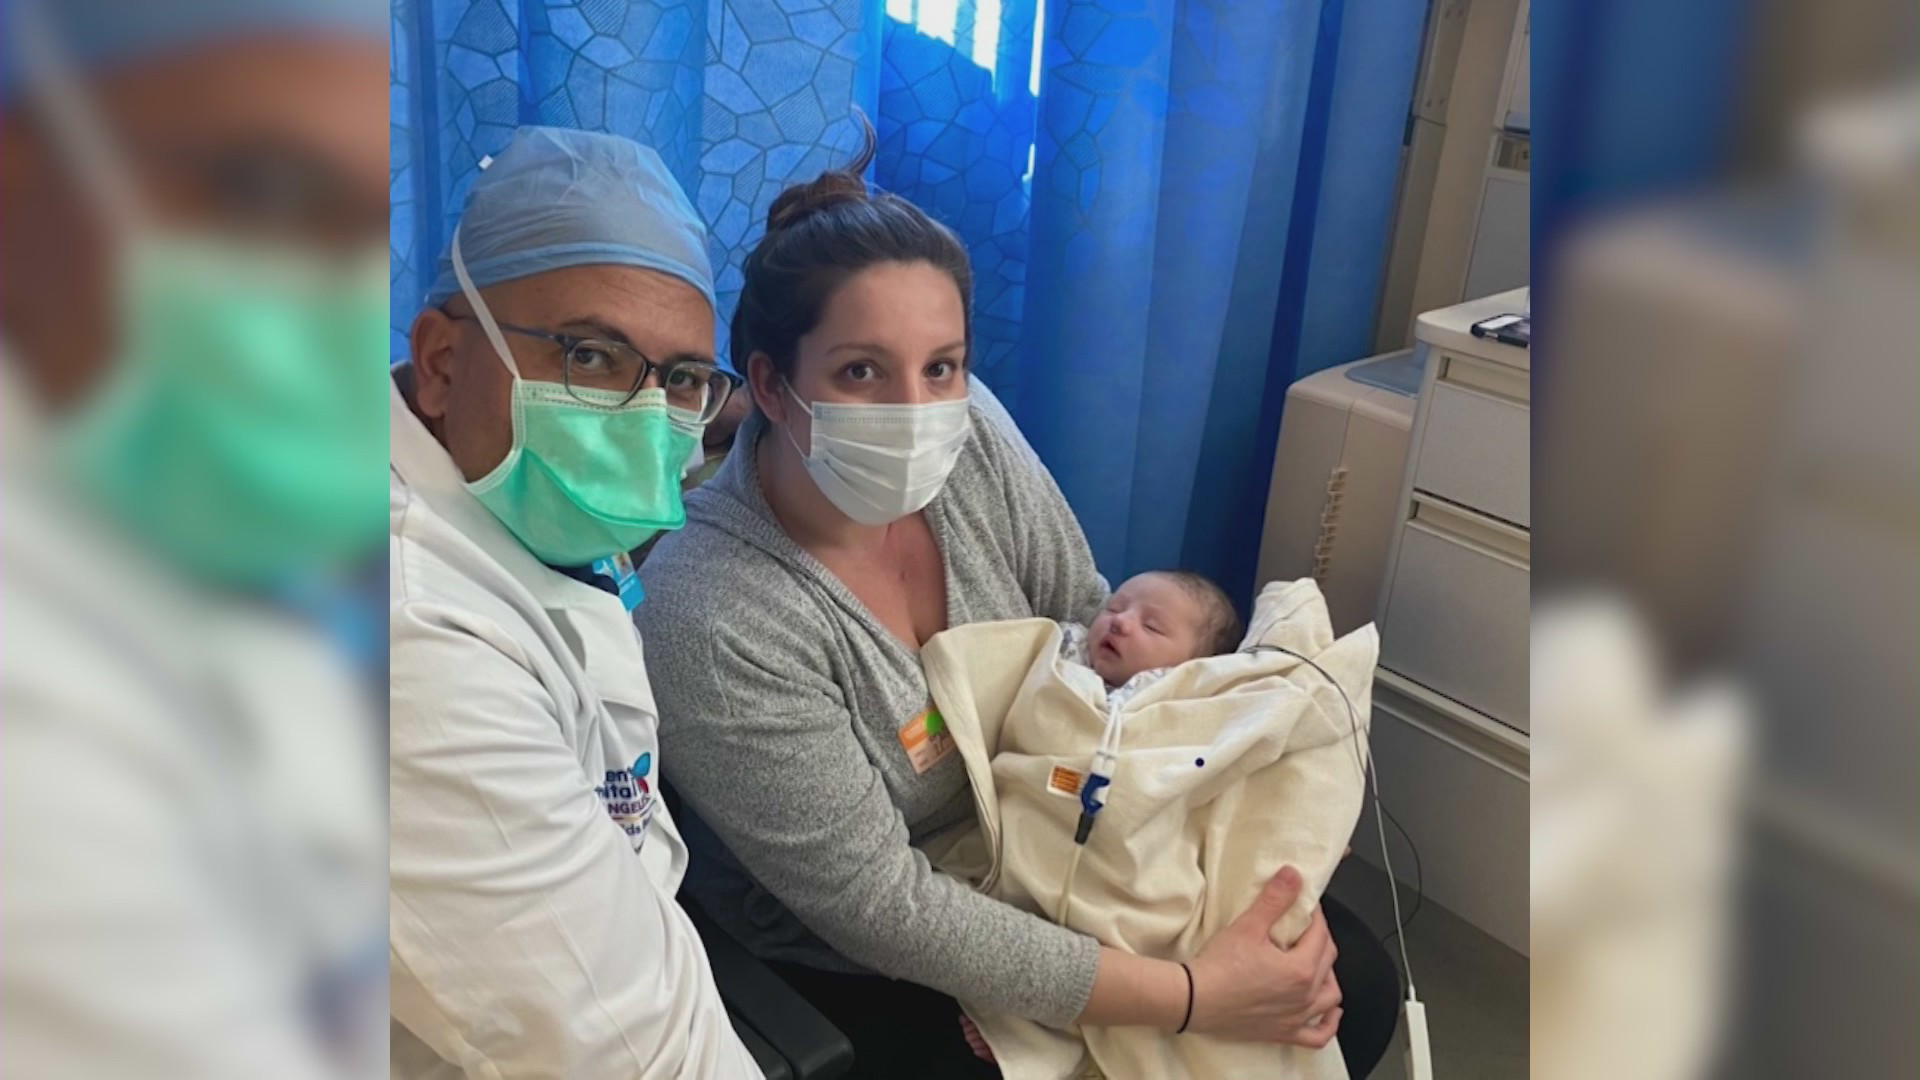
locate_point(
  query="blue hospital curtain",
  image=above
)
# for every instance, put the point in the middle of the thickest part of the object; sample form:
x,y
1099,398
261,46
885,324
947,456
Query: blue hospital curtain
x,y
1174,208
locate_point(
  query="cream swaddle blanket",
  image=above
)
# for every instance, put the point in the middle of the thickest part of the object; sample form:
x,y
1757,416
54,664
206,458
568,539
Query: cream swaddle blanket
x,y
1229,768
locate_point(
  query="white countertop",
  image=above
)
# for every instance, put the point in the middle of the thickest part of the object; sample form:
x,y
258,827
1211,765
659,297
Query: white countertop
x,y
1451,328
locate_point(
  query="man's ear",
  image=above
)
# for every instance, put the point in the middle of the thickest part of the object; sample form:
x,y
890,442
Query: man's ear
x,y
434,341
768,391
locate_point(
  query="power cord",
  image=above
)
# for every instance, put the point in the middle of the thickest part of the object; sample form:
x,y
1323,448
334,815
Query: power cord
x,y
1419,877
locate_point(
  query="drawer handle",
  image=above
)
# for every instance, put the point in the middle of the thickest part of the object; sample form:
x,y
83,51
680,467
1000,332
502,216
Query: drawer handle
x,y
1505,384
1496,540
1457,725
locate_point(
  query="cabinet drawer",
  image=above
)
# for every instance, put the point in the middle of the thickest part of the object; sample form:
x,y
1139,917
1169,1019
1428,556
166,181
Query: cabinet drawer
x,y
1456,613
1465,813
1474,449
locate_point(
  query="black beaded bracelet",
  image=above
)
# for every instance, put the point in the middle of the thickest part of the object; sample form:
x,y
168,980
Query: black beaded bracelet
x,y
1188,1019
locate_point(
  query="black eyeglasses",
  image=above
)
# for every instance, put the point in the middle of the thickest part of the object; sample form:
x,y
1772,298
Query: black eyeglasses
x,y
601,367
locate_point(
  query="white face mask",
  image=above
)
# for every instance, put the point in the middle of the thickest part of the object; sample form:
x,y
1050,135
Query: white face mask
x,y
879,463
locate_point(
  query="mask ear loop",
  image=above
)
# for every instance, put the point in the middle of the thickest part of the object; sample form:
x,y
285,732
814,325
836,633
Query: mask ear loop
x,y
72,117
492,330
805,455
480,312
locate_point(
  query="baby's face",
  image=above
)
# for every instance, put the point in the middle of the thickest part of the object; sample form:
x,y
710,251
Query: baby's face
x,y
1150,622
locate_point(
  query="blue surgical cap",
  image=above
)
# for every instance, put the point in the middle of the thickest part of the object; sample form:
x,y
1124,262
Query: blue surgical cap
x,y
556,198
95,34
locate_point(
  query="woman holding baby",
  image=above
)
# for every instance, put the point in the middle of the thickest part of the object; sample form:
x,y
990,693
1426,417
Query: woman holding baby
x,y
875,498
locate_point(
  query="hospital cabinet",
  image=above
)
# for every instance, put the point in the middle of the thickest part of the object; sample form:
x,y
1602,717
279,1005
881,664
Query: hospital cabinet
x,y
1335,490
1451,722
1400,484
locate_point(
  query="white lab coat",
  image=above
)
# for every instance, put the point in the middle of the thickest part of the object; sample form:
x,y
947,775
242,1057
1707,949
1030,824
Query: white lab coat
x,y
533,927
190,819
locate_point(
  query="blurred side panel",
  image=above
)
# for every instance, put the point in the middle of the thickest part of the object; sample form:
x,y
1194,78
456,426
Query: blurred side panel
x,y
193,217
1729,474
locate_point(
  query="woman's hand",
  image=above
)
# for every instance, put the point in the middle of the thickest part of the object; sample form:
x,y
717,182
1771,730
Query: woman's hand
x,y
1249,989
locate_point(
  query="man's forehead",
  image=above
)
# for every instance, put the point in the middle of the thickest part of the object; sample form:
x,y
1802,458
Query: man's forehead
x,y
254,85
648,309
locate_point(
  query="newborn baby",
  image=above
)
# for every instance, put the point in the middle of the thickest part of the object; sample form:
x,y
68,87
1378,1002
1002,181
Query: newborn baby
x,y
1214,769
1154,621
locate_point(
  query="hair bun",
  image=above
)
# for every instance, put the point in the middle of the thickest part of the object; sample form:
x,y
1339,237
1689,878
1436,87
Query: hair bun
x,y
802,201
831,188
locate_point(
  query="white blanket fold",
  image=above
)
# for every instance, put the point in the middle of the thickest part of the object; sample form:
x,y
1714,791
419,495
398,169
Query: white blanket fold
x,y
1230,767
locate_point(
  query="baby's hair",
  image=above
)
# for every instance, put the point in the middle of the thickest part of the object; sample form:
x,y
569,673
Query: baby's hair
x,y
1222,630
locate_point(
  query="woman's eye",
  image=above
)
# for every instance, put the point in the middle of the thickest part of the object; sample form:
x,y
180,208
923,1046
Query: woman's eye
x,y
942,369
681,379
862,372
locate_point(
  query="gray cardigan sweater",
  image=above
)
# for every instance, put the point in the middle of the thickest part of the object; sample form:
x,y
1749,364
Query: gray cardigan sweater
x,y
781,700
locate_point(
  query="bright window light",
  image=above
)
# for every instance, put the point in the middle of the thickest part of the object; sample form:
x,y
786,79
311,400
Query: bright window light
x,y
936,18
986,34
1039,34
940,20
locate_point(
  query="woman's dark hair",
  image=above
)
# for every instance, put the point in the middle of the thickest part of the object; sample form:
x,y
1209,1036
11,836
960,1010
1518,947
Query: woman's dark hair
x,y
819,234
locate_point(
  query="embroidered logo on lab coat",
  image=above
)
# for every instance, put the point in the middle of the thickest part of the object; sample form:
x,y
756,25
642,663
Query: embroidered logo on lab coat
x,y
629,798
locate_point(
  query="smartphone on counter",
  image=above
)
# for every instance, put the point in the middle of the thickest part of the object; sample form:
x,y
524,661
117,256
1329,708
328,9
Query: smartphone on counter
x,y
1507,329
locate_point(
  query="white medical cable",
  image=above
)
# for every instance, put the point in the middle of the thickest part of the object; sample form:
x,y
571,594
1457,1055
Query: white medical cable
x,y
1379,814
1065,906
1105,759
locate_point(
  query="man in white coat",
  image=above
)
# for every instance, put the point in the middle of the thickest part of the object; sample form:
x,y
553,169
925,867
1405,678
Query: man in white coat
x,y
560,376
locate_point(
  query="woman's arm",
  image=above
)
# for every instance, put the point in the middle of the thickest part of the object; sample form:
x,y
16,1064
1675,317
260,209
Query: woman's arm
x,y
756,739
1244,986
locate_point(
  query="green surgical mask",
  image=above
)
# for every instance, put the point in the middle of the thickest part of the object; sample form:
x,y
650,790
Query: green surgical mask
x,y
240,428
589,476
585,481
241,431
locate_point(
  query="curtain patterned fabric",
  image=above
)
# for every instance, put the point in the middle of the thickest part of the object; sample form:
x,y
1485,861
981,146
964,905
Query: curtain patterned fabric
x,y
1173,207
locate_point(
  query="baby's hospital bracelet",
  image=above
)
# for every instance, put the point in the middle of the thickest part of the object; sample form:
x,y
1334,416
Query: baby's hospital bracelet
x,y
1188,1019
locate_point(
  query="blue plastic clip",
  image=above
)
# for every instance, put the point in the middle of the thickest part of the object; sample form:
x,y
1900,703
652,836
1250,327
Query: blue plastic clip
x,y
1089,806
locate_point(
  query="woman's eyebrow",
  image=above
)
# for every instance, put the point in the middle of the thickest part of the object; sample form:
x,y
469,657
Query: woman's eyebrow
x,y
875,347
860,346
